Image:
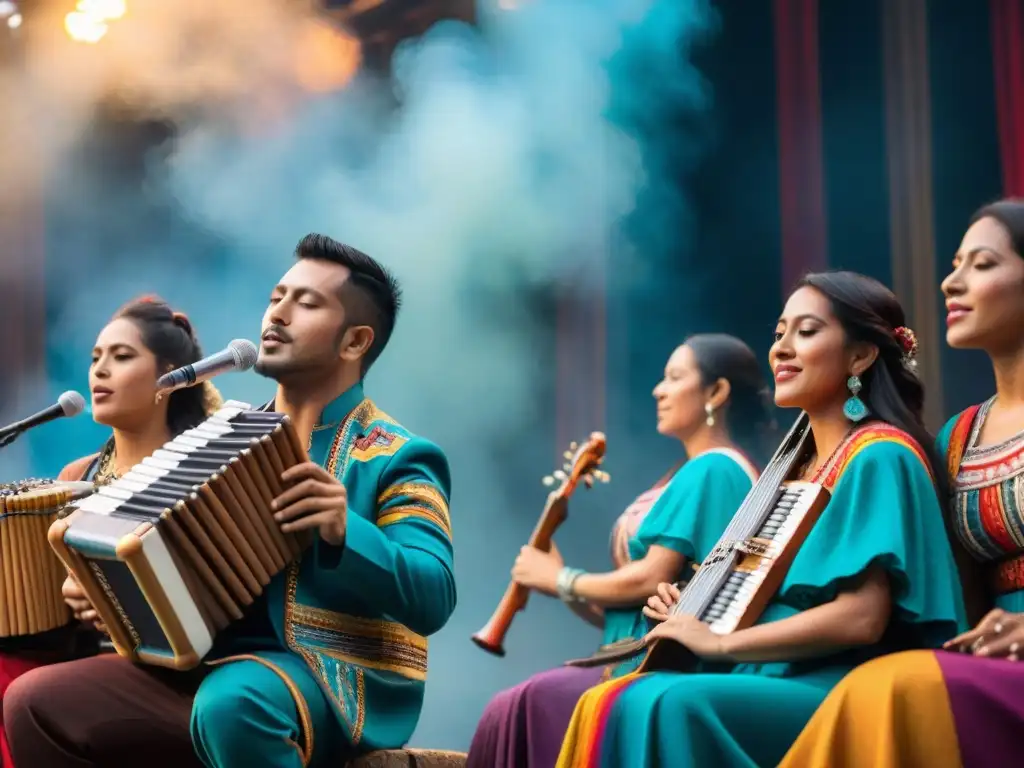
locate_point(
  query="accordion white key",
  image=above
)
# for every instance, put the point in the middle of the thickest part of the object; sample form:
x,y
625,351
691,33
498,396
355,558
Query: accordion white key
x,y
174,550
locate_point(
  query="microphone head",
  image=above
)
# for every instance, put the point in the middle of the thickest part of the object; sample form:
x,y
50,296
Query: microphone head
x,y
244,353
71,402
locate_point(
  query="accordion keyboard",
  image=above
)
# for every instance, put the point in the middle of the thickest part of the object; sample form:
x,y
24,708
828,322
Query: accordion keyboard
x,y
764,558
172,552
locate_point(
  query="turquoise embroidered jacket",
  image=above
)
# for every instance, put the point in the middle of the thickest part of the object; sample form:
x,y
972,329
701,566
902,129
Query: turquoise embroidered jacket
x,y
359,614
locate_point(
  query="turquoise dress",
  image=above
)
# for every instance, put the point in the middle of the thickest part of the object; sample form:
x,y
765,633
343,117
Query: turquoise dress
x,y
523,726
333,660
935,708
883,512
688,517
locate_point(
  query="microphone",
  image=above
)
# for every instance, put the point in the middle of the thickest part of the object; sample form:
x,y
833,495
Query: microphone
x,y
69,404
239,355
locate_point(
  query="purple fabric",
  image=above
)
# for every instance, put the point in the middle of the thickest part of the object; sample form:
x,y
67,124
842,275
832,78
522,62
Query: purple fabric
x,y
523,727
987,700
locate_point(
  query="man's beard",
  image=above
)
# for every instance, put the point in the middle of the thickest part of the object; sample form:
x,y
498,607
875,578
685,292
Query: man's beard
x,y
290,369
281,369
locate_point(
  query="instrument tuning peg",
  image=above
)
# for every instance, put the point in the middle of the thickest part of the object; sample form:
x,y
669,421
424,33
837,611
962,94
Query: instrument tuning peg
x,y
567,467
573,445
588,481
548,480
567,455
604,477
559,474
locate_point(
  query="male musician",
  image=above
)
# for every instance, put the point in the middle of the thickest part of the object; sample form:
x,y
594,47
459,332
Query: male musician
x,y
333,660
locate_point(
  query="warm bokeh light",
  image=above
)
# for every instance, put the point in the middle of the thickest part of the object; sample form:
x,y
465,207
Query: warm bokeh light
x,y
327,57
84,28
88,23
108,10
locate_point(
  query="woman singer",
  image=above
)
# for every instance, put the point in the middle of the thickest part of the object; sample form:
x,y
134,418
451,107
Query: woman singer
x,y
144,340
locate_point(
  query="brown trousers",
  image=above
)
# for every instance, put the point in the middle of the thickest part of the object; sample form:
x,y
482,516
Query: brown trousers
x,y
101,712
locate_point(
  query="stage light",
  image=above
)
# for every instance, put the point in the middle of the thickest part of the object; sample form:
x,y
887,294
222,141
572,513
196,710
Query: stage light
x,y
83,28
88,22
10,14
107,10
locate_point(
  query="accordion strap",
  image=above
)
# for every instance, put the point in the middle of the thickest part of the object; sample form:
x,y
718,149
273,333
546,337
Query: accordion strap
x,y
305,720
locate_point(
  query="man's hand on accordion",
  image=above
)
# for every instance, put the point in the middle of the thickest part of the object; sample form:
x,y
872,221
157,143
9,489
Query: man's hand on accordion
x,y
79,604
316,499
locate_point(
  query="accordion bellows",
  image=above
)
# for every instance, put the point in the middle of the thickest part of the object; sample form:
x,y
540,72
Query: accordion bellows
x,y
30,576
174,550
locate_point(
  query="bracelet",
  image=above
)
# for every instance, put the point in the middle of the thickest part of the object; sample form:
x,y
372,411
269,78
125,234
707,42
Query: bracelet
x,y
566,582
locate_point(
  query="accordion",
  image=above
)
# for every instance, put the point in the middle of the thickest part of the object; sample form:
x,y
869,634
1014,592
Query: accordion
x,y
30,576
173,551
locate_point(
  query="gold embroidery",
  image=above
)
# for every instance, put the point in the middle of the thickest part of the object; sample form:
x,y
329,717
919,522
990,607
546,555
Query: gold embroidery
x,y
408,671
373,643
424,492
376,451
405,656
316,663
341,439
357,625
427,501
357,733
377,442
373,413
397,514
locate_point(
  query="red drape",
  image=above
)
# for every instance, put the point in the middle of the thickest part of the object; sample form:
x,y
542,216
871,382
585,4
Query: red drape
x,y
802,194
1008,64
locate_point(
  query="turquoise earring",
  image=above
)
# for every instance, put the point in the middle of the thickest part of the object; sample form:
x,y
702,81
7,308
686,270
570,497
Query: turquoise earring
x,y
854,408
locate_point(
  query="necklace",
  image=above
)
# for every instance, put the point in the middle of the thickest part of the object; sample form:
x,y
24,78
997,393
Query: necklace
x,y
805,471
106,472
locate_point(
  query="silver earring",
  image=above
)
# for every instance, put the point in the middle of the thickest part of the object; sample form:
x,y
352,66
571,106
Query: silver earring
x,y
709,409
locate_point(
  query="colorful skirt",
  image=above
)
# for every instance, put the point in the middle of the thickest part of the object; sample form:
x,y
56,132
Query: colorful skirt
x,y
670,719
523,727
918,709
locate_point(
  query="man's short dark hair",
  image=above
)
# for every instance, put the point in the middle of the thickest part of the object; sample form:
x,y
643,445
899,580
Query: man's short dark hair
x,y
371,294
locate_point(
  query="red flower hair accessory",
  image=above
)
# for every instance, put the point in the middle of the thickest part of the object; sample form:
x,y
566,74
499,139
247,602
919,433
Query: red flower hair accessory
x,y
908,342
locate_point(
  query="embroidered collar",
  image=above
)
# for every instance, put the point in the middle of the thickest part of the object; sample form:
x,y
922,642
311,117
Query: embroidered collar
x,y
336,410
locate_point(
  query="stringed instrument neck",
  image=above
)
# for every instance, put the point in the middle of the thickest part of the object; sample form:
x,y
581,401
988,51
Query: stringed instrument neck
x,y
555,512
743,572
582,467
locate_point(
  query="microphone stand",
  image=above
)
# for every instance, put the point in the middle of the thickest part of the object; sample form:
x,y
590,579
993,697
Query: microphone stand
x,y
9,438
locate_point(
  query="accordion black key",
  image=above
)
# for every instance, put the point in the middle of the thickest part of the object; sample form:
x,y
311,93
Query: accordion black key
x,y
174,550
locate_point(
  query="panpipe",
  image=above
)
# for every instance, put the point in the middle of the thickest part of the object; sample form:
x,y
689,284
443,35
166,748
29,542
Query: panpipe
x,y
746,567
173,551
30,576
